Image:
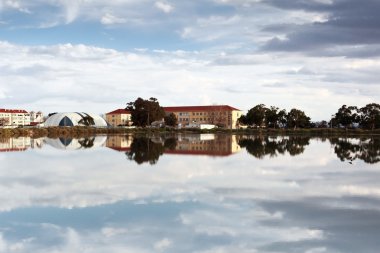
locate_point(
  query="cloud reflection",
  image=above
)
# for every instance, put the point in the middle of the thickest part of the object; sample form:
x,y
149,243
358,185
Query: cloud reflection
x,y
94,200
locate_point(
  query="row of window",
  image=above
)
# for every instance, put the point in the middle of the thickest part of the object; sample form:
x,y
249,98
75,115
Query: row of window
x,y
194,119
201,113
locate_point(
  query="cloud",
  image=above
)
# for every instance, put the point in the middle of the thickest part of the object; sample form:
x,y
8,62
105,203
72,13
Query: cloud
x,y
163,6
162,244
14,4
346,23
109,19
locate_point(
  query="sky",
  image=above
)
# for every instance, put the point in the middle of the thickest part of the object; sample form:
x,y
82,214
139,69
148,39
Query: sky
x,y
97,55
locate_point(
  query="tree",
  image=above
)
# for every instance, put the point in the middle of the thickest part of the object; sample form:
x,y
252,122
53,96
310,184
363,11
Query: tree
x,y
370,116
297,118
4,121
170,120
87,121
282,117
347,115
243,120
144,112
272,117
256,115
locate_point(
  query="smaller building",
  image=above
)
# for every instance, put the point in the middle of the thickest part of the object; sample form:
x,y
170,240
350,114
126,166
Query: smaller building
x,y
36,118
10,117
119,117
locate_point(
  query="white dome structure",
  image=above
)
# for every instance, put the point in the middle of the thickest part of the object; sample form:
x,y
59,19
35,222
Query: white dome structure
x,y
75,119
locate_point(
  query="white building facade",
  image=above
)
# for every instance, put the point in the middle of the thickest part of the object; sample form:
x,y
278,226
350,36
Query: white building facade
x,y
10,117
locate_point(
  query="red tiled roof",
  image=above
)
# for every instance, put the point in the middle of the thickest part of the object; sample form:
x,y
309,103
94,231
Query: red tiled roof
x,y
13,111
199,108
120,111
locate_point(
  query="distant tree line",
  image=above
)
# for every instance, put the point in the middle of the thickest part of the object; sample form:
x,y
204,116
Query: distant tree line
x,y
272,117
367,117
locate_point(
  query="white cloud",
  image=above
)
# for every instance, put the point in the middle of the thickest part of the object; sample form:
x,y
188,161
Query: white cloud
x,y
14,4
163,6
162,244
109,19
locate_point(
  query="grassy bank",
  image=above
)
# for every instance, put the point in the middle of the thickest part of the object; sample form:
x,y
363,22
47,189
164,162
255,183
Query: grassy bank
x,y
54,132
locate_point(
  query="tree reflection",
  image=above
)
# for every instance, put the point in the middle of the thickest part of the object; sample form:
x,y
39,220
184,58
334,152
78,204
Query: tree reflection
x,y
260,146
365,149
87,142
143,149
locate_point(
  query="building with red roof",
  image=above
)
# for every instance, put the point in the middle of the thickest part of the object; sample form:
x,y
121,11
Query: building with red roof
x,y
220,115
119,117
12,117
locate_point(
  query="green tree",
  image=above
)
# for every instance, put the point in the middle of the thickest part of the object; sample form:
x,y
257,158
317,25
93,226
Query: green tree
x,y
347,115
243,120
282,117
170,120
272,117
144,112
297,118
256,115
370,116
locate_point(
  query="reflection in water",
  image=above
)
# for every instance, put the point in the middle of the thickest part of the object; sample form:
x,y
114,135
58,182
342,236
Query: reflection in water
x,y
68,143
366,149
94,201
144,149
260,146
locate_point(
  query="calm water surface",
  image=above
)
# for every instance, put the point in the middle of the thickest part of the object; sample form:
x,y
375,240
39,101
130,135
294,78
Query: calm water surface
x,y
190,193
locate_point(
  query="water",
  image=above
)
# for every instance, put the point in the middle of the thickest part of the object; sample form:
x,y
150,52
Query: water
x,y
190,193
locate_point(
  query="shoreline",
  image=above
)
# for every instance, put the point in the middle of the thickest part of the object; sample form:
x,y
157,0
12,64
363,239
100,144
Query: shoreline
x,y
79,131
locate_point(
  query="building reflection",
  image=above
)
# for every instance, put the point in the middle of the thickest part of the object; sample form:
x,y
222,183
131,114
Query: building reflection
x,y
144,149
68,143
206,144
19,144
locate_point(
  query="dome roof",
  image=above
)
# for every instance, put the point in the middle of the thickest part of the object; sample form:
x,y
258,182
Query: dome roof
x,y
75,119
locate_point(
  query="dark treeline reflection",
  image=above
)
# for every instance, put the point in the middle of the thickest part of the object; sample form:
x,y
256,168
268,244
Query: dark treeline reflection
x,y
346,149
365,149
261,146
145,149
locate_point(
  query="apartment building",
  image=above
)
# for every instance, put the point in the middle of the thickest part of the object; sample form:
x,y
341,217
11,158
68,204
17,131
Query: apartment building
x,y
220,115
119,117
10,117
